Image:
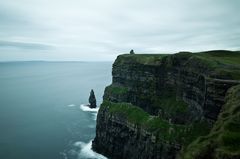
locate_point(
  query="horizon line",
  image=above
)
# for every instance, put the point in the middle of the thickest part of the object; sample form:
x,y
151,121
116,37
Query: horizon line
x,y
50,61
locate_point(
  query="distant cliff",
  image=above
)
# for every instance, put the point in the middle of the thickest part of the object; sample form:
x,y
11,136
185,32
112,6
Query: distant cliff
x,y
159,104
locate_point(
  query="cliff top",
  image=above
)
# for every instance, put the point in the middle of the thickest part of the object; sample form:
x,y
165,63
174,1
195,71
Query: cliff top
x,y
147,59
223,56
222,62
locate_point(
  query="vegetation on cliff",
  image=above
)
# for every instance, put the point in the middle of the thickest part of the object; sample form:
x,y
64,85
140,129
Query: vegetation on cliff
x,y
170,105
116,90
147,59
224,139
166,103
163,130
221,63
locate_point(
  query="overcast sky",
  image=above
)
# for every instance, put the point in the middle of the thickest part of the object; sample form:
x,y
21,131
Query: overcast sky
x,y
93,30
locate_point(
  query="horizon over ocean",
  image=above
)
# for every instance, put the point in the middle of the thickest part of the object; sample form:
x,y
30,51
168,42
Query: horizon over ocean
x,y
53,61
41,108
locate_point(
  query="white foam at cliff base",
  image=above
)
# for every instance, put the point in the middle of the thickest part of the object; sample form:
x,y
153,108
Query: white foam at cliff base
x,y
95,116
71,105
79,144
87,109
87,152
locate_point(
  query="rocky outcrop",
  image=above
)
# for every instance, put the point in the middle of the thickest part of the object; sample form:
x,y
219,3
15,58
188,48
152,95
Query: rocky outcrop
x,y
92,100
181,93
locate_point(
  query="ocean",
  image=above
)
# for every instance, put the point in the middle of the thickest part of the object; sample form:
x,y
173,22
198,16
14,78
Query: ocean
x,y
41,108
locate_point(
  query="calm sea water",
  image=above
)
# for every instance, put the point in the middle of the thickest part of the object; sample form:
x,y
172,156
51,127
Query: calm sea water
x,y
41,116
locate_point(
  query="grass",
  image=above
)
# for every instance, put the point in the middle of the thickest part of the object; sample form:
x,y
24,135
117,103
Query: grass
x,y
161,128
116,90
170,104
222,57
224,138
146,59
231,140
223,63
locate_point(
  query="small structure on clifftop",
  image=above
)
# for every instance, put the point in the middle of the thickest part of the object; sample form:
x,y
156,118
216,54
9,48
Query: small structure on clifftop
x,y
92,100
132,52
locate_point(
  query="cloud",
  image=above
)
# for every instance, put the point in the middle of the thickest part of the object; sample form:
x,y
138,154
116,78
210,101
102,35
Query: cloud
x,y
86,30
25,45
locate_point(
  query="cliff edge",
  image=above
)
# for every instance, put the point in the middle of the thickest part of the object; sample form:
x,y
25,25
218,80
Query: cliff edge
x,y
158,106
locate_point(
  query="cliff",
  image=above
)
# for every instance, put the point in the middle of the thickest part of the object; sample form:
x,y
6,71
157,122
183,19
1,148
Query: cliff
x,y
158,104
223,141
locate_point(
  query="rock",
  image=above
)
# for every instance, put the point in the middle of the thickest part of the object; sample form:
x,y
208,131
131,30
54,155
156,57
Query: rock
x,y
92,100
116,138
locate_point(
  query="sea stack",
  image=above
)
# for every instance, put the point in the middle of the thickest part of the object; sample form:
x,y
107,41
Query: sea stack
x,y
92,100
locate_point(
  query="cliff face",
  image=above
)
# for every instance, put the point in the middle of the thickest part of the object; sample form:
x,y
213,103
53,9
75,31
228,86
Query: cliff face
x,y
121,136
173,100
149,80
120,139
223,141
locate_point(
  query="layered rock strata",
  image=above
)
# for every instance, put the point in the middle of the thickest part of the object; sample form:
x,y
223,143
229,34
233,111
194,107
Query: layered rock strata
x,y
158,104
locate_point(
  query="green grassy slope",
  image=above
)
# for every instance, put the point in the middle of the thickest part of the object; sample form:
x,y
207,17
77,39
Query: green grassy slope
x,y
147,59
162,129
221,61
223,142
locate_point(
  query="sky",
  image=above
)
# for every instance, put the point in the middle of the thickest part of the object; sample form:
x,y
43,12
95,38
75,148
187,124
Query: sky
x,y
99,30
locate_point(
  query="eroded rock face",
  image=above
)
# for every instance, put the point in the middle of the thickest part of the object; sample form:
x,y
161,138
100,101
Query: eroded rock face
x,y
223,142
197,89
119,139
181,76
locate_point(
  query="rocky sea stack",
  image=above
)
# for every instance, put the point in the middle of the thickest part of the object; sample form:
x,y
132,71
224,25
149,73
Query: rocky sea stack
x,y
184,105
92,100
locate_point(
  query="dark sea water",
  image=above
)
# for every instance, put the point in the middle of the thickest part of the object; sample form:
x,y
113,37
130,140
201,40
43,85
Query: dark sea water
x,y
41,116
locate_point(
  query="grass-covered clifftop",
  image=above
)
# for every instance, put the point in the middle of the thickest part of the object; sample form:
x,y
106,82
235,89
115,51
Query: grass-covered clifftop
x,y
215,57
222,62
147,59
